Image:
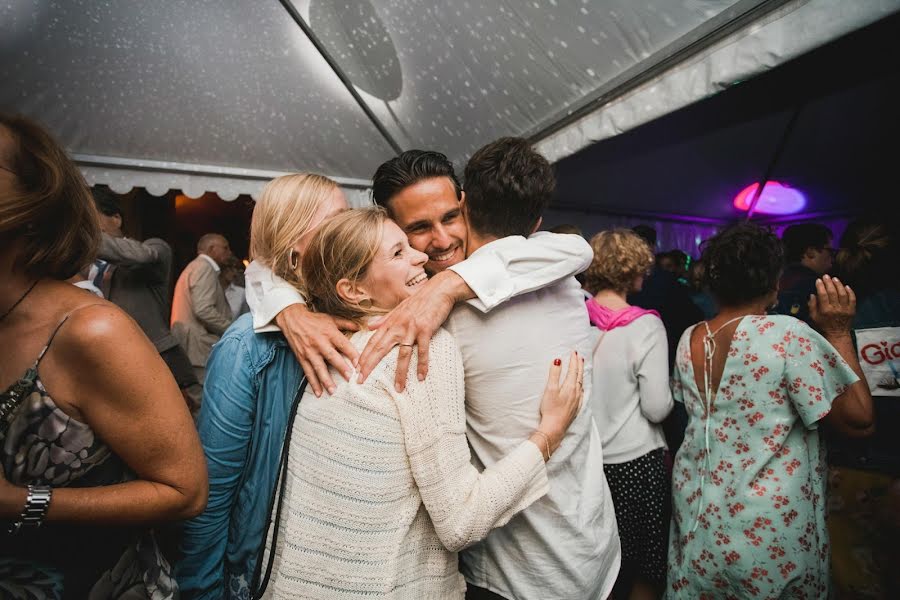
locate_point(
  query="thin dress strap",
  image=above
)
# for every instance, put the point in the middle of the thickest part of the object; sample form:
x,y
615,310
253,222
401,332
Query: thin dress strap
x,y
56,330
50,340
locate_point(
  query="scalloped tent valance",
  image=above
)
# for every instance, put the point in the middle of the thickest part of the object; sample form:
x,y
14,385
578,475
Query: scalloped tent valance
x,y
203,95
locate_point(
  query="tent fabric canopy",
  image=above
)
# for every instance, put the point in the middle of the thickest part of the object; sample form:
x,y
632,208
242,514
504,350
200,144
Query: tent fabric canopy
x,y
204,95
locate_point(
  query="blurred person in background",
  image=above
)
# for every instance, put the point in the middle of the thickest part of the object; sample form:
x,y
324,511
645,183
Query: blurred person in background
x,y
96,443
136,276
675,262
631,398
200,311
699,292
808,254
663,293
864,491
749,483
232,280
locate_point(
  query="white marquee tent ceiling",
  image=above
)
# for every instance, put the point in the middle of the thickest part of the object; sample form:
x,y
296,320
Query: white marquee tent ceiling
x,y
221,95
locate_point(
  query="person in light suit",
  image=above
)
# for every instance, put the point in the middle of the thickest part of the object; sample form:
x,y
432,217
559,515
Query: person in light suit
x,y
200,311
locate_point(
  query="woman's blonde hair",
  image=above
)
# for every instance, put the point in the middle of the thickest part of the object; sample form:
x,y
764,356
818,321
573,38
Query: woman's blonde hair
x,y
620,255
50,207
343,247
282,215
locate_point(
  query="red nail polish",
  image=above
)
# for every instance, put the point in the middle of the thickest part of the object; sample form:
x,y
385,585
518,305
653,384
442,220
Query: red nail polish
x,y
557,362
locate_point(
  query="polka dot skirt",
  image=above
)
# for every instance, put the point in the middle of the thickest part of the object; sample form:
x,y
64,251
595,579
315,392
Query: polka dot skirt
x,y
641,492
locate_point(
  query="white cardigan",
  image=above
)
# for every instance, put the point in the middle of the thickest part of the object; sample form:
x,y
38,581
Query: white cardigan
x,y
381,493
631,393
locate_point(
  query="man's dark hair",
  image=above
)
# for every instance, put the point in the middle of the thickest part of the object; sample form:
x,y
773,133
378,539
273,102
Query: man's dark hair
x,y
798,238
409,168
646,232
107,202
743,263
508,186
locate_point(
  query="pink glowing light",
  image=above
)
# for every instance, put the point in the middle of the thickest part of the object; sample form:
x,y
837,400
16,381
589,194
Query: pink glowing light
x,y
776,199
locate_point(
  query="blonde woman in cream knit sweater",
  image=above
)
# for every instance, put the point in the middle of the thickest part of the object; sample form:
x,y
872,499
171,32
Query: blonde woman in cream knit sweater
x,y
380,492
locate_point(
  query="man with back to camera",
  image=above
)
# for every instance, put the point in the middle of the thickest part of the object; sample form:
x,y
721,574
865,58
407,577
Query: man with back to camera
x,y
422,194
566,544
808,255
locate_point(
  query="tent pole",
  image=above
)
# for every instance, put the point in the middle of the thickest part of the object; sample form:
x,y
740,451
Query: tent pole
x,y
301,22
776,156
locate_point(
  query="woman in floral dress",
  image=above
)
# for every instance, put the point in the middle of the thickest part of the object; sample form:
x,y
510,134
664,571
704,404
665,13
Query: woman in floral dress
x,y
749,480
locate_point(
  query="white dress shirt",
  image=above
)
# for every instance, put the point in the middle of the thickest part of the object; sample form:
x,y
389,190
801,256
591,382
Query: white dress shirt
x,y
519,266
566,545
631,388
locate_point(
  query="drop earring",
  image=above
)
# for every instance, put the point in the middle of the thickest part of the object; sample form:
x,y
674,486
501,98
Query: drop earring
x,y
293,259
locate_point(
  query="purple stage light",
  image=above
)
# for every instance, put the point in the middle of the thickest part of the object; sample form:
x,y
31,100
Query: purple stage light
x,y
776,199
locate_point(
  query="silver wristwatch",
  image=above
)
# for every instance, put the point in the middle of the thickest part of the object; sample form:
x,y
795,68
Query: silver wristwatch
x,y
36,504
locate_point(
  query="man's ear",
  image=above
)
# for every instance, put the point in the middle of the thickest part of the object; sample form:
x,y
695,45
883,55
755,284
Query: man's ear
x,y
462,203
352,293
537,225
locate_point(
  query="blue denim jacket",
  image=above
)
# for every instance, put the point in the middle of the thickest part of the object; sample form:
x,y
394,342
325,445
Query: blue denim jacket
x,y
251,381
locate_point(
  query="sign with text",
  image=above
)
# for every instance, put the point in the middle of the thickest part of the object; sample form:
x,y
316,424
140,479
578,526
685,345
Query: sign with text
x,y
879,356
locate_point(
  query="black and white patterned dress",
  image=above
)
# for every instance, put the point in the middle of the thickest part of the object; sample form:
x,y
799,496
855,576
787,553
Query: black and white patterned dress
x,y
42,445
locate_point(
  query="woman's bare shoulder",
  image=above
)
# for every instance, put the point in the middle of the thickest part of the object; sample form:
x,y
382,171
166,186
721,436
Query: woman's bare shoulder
x,y
97,326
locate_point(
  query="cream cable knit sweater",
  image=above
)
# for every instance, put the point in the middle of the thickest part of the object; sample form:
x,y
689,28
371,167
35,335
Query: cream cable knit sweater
x,y
381,494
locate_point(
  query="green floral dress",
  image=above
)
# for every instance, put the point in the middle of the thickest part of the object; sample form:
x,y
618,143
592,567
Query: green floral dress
x,y
749,498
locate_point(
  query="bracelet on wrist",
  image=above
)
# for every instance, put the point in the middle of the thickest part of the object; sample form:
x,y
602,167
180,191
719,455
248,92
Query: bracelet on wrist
x,y
36,504
546,441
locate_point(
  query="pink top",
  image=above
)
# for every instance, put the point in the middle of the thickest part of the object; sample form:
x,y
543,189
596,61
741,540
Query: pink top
x,y
607,318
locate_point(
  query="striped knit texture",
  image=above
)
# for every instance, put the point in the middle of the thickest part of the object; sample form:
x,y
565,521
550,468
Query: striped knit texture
x,y
381,493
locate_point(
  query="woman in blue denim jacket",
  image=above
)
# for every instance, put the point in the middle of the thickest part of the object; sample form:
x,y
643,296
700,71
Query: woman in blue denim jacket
x,y
252,380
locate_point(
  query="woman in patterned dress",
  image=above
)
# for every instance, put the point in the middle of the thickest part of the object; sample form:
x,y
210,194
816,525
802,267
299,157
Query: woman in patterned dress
x,y
95,438
749,480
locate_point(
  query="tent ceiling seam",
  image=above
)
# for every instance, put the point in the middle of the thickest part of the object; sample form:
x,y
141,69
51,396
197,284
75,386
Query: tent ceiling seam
x,y
156,166
323,51
700,38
